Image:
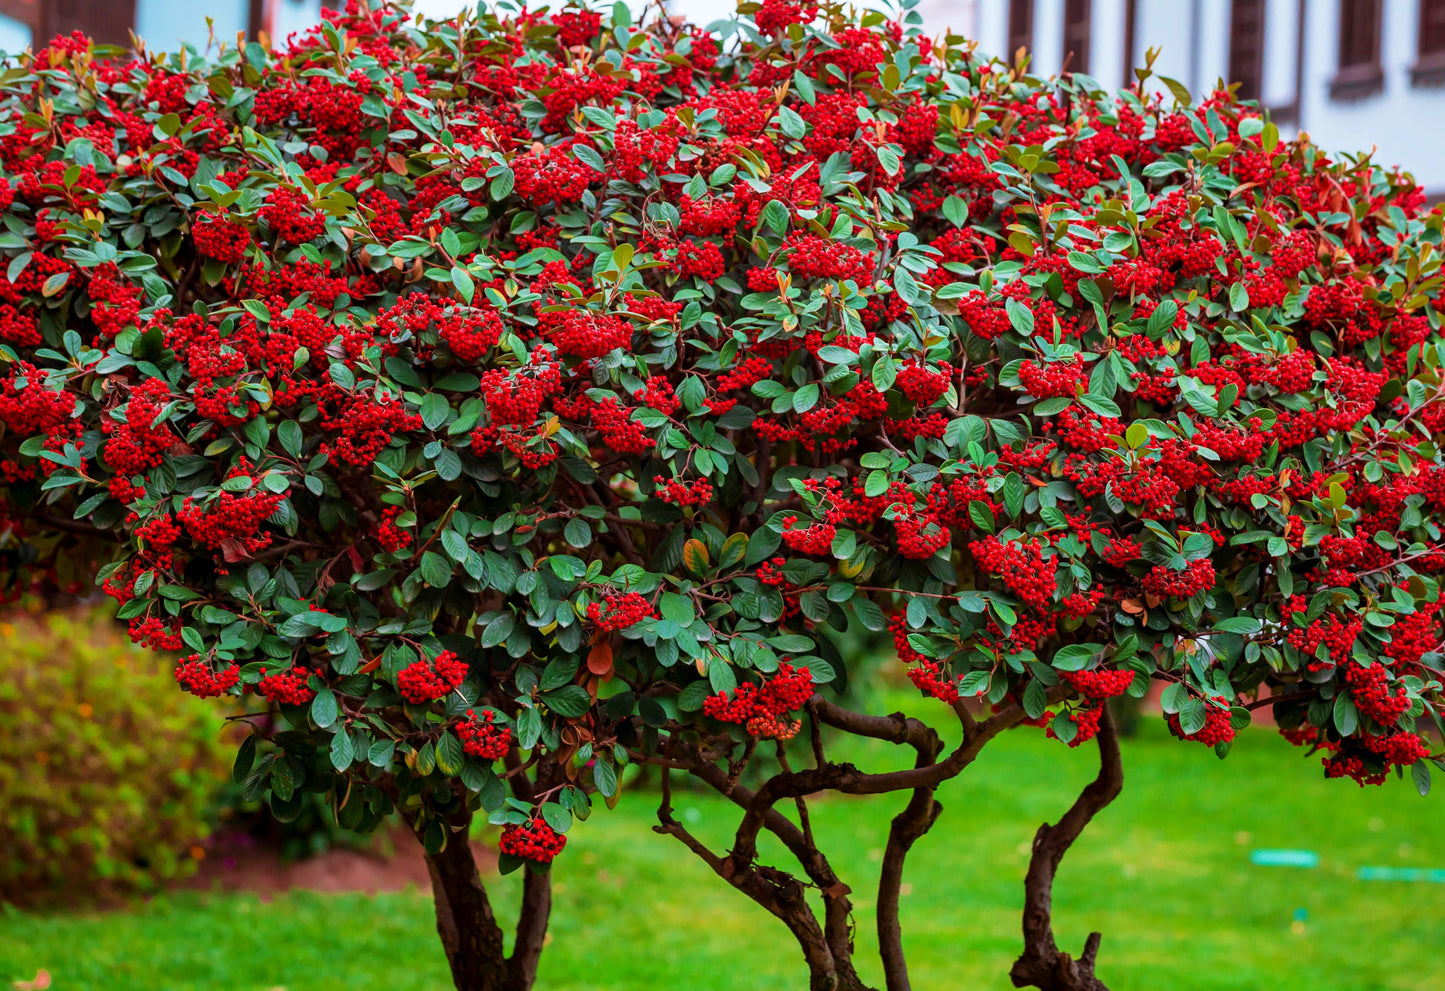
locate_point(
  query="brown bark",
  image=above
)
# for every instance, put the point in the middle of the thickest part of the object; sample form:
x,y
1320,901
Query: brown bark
x,y
910,824
466,924
531,929
1042,964
785,897
470,934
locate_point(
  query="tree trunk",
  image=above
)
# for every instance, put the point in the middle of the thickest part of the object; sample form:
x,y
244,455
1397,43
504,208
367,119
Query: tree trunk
x,y
1042,964
468,929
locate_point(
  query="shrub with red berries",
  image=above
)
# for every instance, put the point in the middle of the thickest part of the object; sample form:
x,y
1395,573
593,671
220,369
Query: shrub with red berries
x,y
605,379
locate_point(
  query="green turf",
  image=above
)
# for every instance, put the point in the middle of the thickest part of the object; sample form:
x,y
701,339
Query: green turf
x,y
1164,874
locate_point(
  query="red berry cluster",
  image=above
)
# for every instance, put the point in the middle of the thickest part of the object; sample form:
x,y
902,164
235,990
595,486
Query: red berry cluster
x,y
920,535
1086,723
232,523
1165,583
1370,688
482,738
156,633
928,678
424,681
535,841
390,536
1100,683
618,612
813,257
200,680
815,539
674,490
1021,567
218,236
764,711
287,687
922,385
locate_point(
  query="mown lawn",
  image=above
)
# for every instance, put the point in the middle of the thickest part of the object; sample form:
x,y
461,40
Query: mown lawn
x,y
1164,874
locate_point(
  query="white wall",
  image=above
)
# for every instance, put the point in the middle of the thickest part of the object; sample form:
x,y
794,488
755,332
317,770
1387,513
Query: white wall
x,y
1406,125
14,36
1281,19
1106,42
1166,25
163,24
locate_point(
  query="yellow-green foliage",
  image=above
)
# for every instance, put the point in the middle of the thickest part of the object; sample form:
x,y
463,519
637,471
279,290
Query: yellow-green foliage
x,y
106,767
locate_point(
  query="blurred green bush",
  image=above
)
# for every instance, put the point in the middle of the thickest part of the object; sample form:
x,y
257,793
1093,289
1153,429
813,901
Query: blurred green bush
x,y
107,770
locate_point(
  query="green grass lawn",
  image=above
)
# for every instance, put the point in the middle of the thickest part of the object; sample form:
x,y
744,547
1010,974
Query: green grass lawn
x,y
1164,874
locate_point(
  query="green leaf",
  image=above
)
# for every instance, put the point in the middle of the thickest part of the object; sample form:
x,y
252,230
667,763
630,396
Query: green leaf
x,y
604,776
449,755
974,683
462,279
1075,656
734,549
1192,716
889,159
343,751
577,532
1172,699
869,614
956,210
435,570
455,545
1100,404
497,630
1420,774
434,410
1035,699
1347,717
568,702
245,758
677,608
324,709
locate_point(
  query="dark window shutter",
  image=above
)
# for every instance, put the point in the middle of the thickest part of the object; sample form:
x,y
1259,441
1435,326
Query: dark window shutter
x,y
1359,33
1432,27
1246,47
1020,26
107,21
1076,34
1359,73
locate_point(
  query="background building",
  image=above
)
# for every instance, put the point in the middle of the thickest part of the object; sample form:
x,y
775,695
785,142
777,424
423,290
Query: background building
x,y
1353,74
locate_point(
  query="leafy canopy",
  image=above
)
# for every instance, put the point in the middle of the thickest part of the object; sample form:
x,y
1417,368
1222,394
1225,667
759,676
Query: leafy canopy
x,y
558,390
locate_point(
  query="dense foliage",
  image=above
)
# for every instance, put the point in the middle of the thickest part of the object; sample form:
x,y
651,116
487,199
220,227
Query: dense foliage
x,y
513,398
84,810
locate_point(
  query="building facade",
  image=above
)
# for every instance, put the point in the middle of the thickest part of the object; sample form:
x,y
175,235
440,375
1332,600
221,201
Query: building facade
x,y
1353,74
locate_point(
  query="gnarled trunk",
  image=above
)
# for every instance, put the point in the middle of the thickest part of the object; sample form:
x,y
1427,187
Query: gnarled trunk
x,y
1042,964
468,927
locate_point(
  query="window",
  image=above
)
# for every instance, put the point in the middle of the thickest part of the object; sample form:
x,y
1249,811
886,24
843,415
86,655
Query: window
x,y
1360,73
1020,26
1076,35
107,21
1246,47
1429,67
